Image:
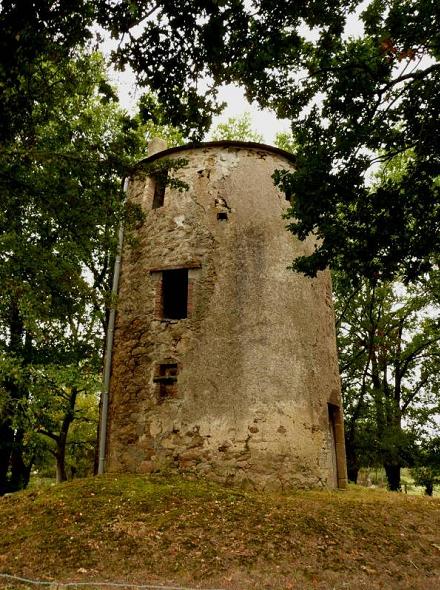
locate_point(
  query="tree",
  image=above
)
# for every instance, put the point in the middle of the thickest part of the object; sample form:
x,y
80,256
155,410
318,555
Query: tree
x,y
426,473
388,340
153,122
354,101
286,141
168,55
60,179
53,408
62,385
36,33
236,128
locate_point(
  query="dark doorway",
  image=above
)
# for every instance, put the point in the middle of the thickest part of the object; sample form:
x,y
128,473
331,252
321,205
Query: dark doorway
x,y
332,444
337,447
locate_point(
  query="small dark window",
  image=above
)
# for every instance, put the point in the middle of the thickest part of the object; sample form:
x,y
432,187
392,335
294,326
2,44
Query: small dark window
x,y
167,380
160,182
222,216
175,293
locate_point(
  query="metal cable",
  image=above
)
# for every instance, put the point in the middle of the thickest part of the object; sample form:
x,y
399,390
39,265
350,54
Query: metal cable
x,y
62,585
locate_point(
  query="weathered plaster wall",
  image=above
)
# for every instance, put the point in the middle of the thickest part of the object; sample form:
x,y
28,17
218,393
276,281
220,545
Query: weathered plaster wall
x,y
256,356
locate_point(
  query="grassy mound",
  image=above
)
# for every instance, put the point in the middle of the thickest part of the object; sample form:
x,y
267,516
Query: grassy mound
x,y
141,530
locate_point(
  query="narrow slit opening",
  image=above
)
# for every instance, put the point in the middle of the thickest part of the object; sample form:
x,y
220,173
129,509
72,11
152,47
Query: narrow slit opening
x,y
160,183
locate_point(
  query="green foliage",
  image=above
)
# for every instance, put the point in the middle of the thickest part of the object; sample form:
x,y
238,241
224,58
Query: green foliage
x,y
153,122
167,55
81,441
178,45
236,128
34,36
378,95
286,141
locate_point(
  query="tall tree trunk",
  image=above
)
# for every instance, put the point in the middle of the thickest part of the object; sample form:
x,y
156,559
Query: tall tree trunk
x,y
394,419
20,471
6,445
60,456
393,476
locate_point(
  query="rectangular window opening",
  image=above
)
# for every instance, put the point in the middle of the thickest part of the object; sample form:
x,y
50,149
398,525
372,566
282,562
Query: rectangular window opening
x,y
222,216
160,182
175,294
167,380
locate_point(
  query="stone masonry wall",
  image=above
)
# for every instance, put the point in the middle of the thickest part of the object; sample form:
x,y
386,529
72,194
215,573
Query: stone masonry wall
x,y
256,357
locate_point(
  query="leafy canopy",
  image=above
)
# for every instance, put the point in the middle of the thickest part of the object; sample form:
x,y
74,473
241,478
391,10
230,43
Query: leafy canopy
x,y
354,101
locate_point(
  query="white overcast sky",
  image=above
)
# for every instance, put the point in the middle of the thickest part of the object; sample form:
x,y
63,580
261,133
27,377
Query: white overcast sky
x,y
263,121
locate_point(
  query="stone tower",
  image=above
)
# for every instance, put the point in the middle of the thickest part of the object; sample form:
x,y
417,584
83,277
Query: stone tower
x,y
224,361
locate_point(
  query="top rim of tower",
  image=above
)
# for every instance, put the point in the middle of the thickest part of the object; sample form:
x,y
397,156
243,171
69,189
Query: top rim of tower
x,y
252,145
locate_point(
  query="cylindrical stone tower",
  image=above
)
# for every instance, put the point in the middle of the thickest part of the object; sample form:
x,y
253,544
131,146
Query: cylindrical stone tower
x,y
224,360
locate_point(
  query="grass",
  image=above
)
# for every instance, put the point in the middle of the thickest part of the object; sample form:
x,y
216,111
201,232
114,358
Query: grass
x,y
149,530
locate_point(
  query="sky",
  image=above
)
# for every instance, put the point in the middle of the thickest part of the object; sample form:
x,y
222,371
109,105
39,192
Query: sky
x,y
263,121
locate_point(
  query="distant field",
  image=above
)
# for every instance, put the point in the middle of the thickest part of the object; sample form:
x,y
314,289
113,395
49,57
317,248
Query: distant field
x,y
139,530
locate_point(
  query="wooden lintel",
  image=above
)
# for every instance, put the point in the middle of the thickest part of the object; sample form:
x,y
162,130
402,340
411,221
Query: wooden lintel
x,y
176,266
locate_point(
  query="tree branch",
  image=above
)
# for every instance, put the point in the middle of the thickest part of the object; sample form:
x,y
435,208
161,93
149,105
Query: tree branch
x,y
417,75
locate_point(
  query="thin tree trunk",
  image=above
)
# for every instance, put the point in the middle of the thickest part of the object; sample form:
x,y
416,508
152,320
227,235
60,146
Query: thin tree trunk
x,y
62,438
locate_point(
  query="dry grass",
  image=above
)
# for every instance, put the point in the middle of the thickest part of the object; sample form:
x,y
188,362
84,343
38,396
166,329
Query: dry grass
x,y
176,532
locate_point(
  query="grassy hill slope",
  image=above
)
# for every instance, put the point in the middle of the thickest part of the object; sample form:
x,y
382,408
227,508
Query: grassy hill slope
x,y
143,530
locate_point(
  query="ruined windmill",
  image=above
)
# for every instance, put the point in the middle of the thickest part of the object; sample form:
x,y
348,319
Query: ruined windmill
x,y
224,361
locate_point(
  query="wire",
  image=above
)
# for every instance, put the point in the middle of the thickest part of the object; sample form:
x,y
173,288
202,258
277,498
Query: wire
x,y
62,585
